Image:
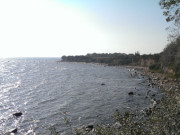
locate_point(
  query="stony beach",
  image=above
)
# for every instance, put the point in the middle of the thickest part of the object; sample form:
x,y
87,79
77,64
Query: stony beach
x,y
161,117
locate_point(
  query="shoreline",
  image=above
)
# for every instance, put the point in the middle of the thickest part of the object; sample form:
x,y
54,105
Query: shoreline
x,y
157,79
158,109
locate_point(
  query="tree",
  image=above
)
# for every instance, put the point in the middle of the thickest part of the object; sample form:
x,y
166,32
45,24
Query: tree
x,y
137,53
172,12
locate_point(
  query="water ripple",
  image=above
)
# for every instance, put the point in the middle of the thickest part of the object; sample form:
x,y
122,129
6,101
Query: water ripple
x,y
43,90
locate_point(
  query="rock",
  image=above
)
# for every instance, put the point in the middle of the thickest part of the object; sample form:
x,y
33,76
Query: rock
x,y
89,127
148,92
156,78
165,81
102,84
14,131
131,93
117,125
154,104
148,111
18,114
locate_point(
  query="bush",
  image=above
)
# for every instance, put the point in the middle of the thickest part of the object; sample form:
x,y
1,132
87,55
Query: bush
x,y
177,71
155,66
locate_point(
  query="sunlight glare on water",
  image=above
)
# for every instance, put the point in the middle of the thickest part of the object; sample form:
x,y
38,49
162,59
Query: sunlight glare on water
x,y
44,89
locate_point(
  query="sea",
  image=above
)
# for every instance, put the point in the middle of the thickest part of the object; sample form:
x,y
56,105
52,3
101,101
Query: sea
x,y
64,96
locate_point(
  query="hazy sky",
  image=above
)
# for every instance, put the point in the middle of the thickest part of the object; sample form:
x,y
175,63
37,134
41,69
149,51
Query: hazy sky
x,y
52,28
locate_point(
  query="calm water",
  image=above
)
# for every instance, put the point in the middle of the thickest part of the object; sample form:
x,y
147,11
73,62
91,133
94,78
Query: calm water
x,y
46,92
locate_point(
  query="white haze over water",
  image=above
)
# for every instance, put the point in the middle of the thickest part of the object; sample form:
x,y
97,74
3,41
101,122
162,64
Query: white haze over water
x,y
52,28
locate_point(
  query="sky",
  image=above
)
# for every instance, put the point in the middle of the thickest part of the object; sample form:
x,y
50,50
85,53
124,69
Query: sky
x,y
52,28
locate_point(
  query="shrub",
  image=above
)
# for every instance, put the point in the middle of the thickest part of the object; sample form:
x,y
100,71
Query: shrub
x,y
155,66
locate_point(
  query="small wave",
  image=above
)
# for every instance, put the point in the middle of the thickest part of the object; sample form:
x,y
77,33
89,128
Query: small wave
x,y
46,101
42,89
